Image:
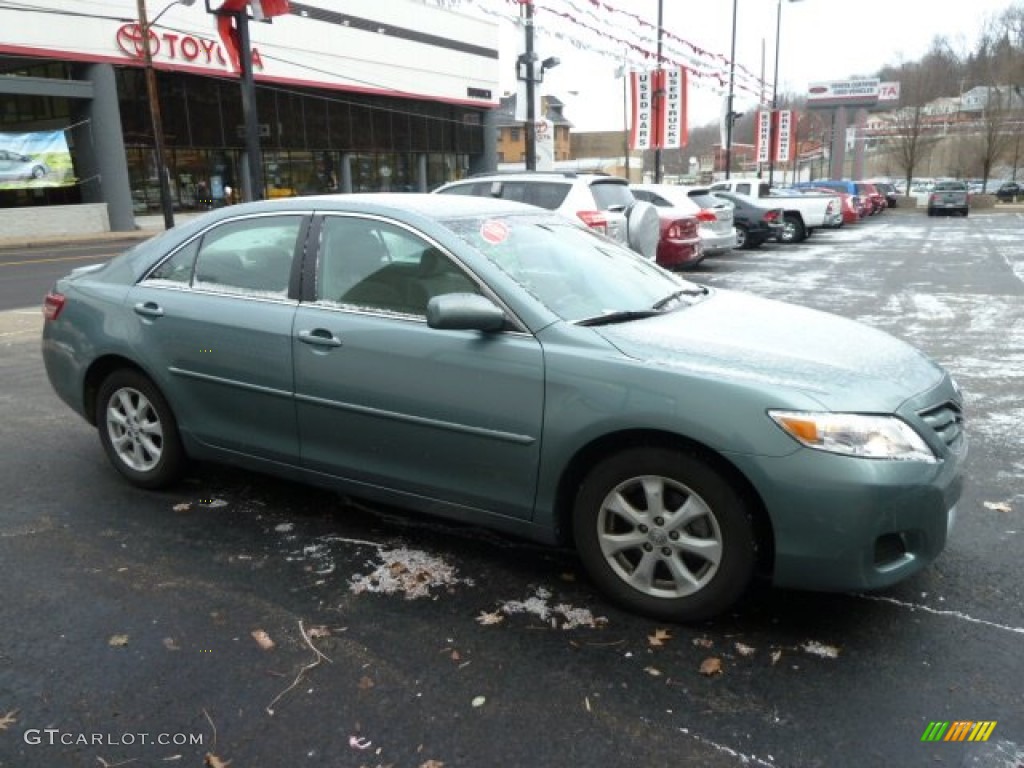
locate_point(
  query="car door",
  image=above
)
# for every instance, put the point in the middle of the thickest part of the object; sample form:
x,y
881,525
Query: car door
x,y
385,400
215,324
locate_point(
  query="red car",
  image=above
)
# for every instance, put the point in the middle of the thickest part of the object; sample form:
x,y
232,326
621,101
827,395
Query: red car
x,y
679,246
870,191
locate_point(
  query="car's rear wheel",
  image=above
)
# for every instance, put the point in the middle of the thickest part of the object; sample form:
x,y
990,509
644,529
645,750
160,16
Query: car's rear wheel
x,y
792,229
664,534
38,172
742,240
138,430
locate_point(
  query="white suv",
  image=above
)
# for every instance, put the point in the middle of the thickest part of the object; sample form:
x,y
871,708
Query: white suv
x,y
604,203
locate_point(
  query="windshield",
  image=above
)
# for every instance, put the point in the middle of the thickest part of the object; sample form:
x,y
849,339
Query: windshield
x,y
577,274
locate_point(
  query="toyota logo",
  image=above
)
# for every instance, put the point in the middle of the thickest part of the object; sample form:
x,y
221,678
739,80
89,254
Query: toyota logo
x,y
129,40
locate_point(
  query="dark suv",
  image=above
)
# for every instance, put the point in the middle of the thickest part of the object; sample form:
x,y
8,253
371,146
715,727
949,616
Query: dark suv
x,y
604,203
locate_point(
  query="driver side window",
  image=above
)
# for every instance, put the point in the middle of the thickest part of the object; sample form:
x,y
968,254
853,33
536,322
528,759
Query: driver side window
x,y
373,265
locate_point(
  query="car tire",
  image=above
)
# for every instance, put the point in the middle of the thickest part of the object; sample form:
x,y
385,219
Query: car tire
x,y
38,172
138,430
742,237
792,229
643,228
664,534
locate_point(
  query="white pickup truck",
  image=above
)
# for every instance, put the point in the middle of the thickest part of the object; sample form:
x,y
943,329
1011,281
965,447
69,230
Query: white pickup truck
x,y
803,213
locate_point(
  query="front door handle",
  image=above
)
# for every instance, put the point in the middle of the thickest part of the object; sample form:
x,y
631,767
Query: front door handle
x,y
149,309
319,337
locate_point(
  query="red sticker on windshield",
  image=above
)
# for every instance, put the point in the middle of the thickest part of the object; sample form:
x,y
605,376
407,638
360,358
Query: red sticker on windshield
x,y
494,231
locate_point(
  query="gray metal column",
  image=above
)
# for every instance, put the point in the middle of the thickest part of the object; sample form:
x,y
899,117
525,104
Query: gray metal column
x,y
346,173
837,163
421,173
99,149
487,161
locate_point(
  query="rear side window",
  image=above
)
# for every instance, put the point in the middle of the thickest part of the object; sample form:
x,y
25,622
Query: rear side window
x,y
543,194
610,194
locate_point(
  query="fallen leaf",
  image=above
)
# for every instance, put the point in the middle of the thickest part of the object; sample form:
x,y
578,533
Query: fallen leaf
x,y
744,650
262,639
318,632
486,618
365,683
215,762
999,506
456,656
432,764
652,671
703,642
479,701
659,638
183,507
171,644
776,655
711,666
8,719
358,742
117,641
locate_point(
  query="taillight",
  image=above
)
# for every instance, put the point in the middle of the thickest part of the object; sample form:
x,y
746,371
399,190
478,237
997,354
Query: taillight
x,y
53,304
706,216
771,217
684,229
594,220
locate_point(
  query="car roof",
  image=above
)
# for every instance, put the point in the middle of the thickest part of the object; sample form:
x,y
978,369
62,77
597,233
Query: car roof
x,y
429,205
543,176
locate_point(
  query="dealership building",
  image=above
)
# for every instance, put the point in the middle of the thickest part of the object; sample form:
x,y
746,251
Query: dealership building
x,y
383,96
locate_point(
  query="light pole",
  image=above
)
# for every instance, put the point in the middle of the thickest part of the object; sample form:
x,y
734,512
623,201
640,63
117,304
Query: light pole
x,y
775,92
145,28
728,107
527,70
659,94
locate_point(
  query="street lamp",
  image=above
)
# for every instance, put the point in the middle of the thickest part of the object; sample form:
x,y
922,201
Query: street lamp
x,y
528,70
729,111
775,92
145,28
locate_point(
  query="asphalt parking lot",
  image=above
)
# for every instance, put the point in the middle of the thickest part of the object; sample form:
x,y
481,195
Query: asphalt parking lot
x,y
244,619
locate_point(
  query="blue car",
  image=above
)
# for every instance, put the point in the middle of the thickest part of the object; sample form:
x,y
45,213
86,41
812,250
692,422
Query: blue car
x,y
500,364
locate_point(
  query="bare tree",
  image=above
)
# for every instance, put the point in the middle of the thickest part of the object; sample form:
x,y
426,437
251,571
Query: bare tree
x,y
913,133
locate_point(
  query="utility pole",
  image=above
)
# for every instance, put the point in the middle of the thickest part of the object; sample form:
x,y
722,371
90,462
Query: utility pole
x,y
531,85
659,94
252,128
729,105
154,115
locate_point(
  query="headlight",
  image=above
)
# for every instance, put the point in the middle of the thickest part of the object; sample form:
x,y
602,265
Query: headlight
x,y
854,434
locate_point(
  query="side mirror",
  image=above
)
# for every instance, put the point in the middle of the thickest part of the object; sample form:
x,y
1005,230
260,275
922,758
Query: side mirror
x,y
464,312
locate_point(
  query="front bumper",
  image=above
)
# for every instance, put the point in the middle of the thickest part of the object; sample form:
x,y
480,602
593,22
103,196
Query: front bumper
x,y
848,524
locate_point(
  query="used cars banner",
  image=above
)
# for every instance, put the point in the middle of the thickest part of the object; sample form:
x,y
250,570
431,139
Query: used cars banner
x,y
38,159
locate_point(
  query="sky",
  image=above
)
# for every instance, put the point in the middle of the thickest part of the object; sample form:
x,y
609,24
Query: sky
x,y
821,40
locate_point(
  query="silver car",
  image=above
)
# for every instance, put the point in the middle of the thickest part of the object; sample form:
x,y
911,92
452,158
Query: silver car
x,y
717,230
15,166
604,203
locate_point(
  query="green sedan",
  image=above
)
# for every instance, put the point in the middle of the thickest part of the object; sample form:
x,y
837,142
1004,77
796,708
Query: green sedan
x,y
498,364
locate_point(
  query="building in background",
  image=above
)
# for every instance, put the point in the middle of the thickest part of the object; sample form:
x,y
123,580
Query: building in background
x,y
512,133
398,99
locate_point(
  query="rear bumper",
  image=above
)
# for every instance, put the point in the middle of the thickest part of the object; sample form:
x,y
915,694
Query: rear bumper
x,y
718,242
680,253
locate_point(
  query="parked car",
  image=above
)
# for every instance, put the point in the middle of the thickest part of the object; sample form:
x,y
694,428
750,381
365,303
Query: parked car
x,y
948,197
755,223
892,197
15,166
603,203
803,214
870,192
680,245
1009,191
499,364
852,207
716,218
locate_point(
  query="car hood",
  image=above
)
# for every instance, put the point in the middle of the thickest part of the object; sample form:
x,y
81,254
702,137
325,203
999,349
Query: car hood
x,y
843,364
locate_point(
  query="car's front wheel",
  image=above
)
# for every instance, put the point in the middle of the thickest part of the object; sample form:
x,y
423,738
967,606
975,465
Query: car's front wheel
x,y
138,430
664,534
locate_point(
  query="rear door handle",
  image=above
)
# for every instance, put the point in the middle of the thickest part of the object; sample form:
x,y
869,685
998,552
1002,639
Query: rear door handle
x,y
319,337
149,309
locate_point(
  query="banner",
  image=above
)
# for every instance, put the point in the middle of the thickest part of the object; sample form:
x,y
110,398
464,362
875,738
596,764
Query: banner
x,y
659,109
544,148
763,135
32,160
784,135
643,134
673,118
